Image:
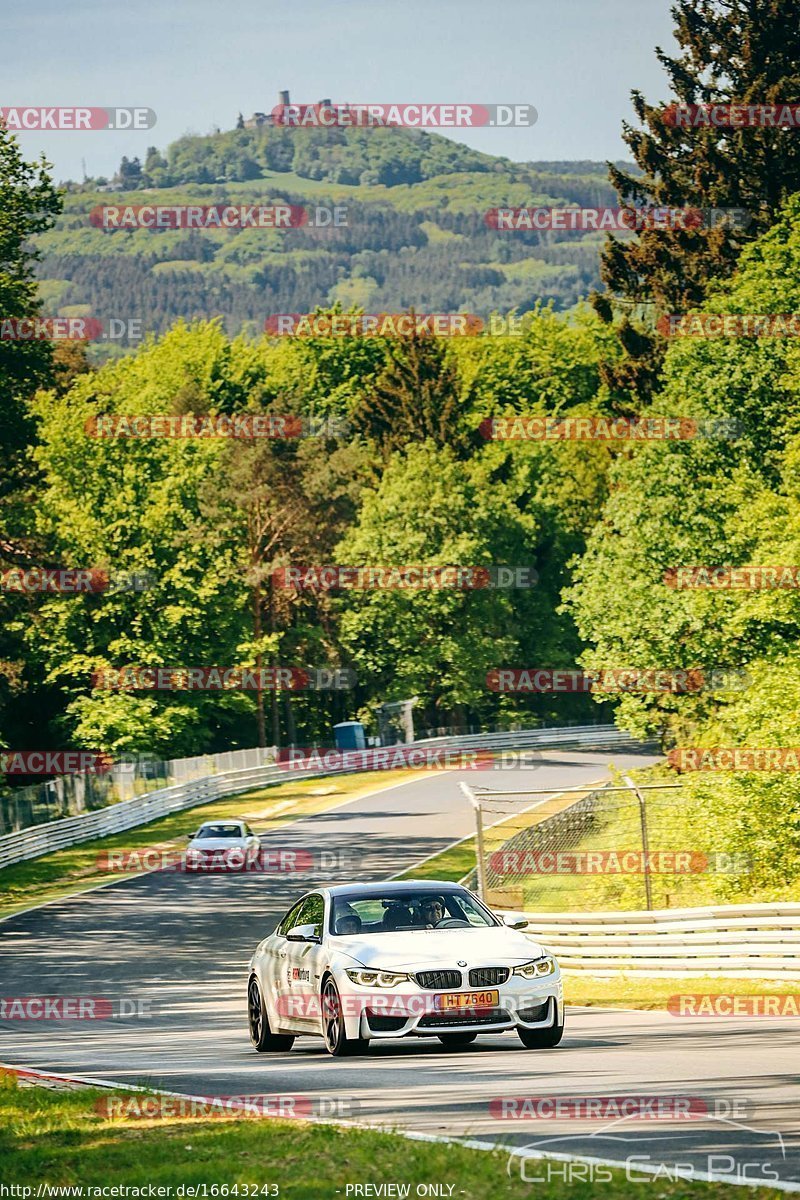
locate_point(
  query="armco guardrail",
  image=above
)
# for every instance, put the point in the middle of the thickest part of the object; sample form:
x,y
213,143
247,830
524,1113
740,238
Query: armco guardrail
x,y
127,814
71,795
597,737
752,940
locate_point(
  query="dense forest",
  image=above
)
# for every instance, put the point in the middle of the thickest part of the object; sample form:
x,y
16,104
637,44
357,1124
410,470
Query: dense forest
x,y
404,476
416,232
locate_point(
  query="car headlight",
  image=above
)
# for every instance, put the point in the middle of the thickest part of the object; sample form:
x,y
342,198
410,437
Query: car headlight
x,y
536,968
376,978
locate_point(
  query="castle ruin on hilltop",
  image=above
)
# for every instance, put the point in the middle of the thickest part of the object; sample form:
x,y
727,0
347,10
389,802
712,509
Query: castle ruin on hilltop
x,y
260,119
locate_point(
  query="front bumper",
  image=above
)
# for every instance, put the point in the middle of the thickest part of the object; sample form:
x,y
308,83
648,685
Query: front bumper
x,y
522,1004
219,862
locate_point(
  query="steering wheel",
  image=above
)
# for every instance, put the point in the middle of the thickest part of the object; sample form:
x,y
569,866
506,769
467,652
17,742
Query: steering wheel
x,y
453,923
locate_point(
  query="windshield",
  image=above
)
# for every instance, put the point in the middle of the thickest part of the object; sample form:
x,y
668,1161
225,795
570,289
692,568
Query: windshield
x,y
354,913
220,831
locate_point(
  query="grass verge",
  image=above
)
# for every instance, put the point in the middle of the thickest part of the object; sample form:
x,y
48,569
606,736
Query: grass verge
x,y
459,860
695,862
58,1138
628,991
75,869
452,864
611,991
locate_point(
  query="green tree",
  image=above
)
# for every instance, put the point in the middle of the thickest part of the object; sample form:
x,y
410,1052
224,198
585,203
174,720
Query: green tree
x,y
711,501
29,204
432,509
325,376
139,505
295,498
732,52
416,397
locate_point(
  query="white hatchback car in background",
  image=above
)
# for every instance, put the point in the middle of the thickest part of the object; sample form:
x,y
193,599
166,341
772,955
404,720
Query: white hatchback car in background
x,y
396,960
222,845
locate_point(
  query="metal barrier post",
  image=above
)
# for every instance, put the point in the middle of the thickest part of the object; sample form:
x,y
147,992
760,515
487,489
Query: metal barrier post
x,y
479,845
648,886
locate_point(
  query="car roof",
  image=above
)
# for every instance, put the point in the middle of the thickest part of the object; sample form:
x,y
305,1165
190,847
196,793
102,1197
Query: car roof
x,y
396,887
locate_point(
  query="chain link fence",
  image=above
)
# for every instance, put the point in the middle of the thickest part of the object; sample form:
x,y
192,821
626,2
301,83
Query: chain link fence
x,y
67,796
70,795
613,847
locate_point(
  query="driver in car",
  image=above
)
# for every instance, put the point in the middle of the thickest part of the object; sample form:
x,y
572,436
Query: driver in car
x,y
431,910
348,925
348,922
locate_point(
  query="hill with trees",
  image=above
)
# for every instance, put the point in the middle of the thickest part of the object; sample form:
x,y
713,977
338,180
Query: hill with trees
x,y
415,233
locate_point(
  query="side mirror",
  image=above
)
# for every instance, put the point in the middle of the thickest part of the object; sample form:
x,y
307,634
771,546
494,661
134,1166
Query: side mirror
x,y
515,922
191,836
304,933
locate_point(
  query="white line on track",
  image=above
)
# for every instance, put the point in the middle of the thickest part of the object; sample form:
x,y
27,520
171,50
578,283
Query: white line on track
x,y
655,1169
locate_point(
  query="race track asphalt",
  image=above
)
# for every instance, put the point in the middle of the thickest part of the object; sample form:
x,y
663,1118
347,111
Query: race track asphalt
x,y
173,949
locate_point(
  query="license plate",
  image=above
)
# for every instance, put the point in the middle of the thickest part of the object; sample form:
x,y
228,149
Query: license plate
x,y
449,1000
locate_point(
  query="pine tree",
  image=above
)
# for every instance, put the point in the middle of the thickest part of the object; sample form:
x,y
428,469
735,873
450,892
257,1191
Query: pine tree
x,y
415,397
28,205
732,52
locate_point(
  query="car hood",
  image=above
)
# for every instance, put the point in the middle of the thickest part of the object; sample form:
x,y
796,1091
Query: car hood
x,y
217,844
428,949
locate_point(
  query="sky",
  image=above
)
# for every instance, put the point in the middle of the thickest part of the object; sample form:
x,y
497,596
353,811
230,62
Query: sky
x,y
197,63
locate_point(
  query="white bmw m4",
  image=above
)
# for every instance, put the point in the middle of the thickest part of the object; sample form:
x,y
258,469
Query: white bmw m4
x,y
386,961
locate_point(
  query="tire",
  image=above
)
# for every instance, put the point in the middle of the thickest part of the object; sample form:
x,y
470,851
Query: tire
x,y
456,1039
260,1033
541,1039
337,1042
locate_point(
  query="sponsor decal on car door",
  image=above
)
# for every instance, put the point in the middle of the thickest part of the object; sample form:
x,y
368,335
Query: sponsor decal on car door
x,y
302,970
